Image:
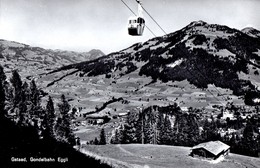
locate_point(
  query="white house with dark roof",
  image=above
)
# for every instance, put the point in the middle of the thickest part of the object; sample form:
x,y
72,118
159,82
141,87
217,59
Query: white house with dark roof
x,y
212,150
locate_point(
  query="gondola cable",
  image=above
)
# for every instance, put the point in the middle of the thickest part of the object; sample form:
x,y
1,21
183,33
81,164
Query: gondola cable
x,y
165,46
154,20
136,15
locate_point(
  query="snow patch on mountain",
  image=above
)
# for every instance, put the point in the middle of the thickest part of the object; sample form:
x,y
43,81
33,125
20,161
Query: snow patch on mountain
x,y
174,64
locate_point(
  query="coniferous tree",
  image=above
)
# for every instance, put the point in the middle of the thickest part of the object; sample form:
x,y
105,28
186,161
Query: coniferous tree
x,y
120,132
193,130
23,117
166,131
209,132
17,89
148,132
2,92
250,145
49,119
35,109
139,132
96,142
153,115
102,140
58,128
149,125
34,94
63,126
187,130
8,97
160,128
128,133
116,138
2,75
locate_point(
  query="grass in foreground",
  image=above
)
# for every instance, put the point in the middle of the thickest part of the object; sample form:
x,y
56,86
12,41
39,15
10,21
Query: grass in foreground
x,y
162,156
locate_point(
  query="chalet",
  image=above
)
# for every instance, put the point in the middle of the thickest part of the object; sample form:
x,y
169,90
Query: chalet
x,y
212,150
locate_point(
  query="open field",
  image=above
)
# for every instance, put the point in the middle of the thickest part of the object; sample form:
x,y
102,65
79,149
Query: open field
x,y
91,92
162,156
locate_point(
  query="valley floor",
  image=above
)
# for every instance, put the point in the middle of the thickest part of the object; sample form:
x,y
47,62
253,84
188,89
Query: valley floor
x,y
161,156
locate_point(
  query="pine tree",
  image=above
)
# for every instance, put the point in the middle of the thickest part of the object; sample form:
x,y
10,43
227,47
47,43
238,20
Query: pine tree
x,y
116,138
49,119
22,106
9,96
17,88
209,132
148,132
63,126
2,92
35,109
186,130
96,142
160,128
249,142
2,75
139,132
119,132
34,94
102,137
166,131
128,134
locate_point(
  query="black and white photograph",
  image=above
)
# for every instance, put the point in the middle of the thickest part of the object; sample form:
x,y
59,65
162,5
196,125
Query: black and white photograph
x,y
129,83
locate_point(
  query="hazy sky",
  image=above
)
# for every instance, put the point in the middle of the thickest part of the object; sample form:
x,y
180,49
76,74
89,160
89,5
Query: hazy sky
x,y
81,25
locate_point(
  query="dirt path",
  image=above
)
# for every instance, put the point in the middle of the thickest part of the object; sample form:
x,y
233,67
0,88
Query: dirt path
x,y
125,151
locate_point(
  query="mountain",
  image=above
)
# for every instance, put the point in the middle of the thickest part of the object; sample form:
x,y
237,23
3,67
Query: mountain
x,y
201,65
35,60
251,32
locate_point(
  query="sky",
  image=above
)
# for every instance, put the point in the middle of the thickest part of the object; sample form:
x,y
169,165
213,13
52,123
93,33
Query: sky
x,y
82,25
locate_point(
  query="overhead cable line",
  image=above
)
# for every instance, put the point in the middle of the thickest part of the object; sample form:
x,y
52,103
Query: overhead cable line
x,y
208,81
154,20
205,78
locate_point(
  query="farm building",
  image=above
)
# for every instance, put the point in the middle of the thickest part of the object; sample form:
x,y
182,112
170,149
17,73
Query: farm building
x,y
210,150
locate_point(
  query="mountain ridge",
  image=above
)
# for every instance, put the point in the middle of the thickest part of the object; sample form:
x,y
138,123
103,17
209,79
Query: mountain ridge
x,y
200,55
251,32
33,61
200,52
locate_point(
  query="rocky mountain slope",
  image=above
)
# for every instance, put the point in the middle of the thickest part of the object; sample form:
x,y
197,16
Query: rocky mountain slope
x,y
31,61
200,65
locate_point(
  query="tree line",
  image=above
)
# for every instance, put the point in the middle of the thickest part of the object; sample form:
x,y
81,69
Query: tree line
x,y
29,129
170,126
24,107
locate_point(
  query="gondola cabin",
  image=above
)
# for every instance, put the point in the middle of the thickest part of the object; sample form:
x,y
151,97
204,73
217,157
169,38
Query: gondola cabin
x,y
136,26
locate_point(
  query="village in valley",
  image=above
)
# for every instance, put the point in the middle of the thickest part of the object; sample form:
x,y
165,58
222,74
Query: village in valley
x,y
189,98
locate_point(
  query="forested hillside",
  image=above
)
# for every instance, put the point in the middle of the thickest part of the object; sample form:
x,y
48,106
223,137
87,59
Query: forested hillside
x,y
171,126
29,130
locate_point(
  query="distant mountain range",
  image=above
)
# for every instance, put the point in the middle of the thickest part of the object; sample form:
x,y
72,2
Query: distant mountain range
x,y
212,59
14,55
